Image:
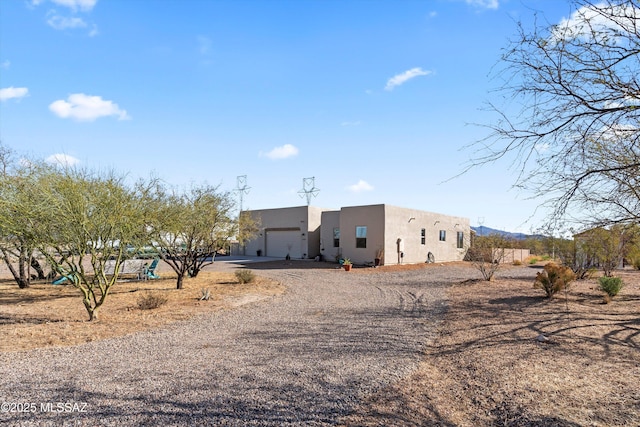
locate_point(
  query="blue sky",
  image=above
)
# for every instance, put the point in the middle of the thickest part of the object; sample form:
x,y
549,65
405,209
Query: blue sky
x,y
375,99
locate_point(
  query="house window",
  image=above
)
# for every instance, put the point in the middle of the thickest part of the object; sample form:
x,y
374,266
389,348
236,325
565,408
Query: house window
x,y
443,235
361,237
460,239
423,236
336,237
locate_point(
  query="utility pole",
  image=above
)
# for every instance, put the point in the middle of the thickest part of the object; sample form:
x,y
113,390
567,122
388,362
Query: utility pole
x,y
242,188
309,189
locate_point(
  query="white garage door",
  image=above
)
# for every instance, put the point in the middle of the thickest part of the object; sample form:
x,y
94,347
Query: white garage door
x,y
283,242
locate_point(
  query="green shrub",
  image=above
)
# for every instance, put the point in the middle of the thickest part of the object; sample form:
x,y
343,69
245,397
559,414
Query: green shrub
x,y
634,257
611,285
151,300
533,260
554,278
245,276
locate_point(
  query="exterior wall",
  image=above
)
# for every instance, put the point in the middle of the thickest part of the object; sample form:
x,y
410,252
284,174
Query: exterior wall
x,y
513,255
303,219
373,217
390,229
407,224
330,220
314,222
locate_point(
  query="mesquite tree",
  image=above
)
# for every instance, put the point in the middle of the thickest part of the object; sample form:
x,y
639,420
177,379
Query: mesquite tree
x,y
87,225
18,196
571,113
191,226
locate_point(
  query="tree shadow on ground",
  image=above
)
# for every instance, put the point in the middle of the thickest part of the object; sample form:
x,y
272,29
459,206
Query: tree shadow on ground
x,y
6,319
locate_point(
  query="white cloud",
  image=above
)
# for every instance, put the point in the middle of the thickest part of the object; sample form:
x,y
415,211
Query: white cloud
x,y
354,123
62,21
59,22
360,186
283,152
542,147
402,78
597,20
5,64
62,160
85,5
485,4
13,92
83,107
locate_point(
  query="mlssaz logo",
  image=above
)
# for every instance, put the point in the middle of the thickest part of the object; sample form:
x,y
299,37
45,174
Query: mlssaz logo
x,y
63,407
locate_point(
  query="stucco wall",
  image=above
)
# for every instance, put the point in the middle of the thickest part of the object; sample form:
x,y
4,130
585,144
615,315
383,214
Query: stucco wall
x,y
330,220
314,222
407,224
305,219
385,225
373,217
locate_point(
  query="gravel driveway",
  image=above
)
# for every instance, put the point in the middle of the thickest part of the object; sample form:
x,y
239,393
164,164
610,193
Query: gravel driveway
x,y
303,358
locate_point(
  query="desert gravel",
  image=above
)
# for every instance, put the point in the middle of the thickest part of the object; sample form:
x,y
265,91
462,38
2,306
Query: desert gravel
x,y
304,358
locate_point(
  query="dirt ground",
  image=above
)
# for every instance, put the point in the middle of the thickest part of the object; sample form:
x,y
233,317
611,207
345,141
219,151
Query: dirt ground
x,y
488,368
45,315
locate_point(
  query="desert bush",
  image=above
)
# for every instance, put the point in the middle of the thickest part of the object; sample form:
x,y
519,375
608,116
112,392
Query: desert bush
x,y
245,276
533,260
517,262
611,285
487,254
554,278
634,257
151,300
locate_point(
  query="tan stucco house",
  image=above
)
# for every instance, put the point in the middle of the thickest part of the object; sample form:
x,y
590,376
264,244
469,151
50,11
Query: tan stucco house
x,y
392,234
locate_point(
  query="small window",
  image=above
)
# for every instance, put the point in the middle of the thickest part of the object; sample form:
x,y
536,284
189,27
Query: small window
x,y
336,237
460,239
361,237
423,236
443,235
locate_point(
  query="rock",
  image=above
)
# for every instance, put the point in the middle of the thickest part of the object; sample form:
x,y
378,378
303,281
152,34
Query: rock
x,y
542,338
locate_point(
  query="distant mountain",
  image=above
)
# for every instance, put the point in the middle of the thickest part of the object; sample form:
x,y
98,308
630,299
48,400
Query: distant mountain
x,y
485,231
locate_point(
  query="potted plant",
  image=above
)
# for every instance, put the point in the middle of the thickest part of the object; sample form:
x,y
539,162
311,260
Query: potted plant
x,y
347,264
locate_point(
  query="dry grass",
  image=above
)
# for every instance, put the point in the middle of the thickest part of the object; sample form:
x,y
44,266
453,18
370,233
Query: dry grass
x,y
45,315
487,367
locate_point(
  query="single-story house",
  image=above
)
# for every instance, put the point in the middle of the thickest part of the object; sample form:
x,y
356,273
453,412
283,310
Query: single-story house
x,y
381,234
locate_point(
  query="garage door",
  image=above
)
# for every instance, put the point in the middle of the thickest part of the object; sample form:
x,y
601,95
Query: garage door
x,y
283,242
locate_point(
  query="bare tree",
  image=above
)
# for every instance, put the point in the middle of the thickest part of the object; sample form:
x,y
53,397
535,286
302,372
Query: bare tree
x,y
571,113
487,254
